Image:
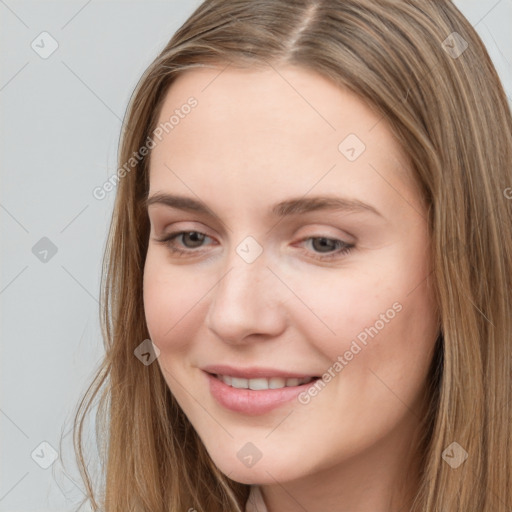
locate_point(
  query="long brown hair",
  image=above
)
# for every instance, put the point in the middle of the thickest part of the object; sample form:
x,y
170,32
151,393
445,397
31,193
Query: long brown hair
x,y
425,70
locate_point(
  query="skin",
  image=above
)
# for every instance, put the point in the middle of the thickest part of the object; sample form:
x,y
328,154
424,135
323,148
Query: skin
x,y
254,140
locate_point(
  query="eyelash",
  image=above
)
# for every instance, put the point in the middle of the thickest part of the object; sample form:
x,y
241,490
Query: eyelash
x,y
167,241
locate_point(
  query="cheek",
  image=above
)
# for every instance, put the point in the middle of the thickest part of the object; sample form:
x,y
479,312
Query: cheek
x,y
171,306
172,299
340,305
382,318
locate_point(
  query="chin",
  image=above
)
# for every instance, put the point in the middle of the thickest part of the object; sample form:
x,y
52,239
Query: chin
x,y
261,473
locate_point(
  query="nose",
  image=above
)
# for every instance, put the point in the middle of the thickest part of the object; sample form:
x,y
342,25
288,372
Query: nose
x,y
247,302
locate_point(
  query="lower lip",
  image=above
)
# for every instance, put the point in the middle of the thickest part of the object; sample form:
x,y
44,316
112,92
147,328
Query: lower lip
x,y
253,402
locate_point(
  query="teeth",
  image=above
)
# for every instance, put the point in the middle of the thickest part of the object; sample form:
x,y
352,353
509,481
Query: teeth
x,y
262,383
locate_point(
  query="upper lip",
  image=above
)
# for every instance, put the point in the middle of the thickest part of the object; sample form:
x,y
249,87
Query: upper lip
x,y
253,372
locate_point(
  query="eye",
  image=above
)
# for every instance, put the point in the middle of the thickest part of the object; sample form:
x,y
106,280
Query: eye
x,y
323,243
194,239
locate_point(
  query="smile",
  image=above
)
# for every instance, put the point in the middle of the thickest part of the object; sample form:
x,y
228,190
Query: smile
x,y
258,399
262,382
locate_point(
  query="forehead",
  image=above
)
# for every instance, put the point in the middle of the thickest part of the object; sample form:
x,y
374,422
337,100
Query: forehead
x,y
262,130
272,98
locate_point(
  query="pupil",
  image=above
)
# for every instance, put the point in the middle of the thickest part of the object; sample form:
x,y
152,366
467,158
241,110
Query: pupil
x,y
195,235
322,243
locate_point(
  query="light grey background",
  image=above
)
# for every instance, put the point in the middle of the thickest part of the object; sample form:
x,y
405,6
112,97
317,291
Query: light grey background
x,y
60,123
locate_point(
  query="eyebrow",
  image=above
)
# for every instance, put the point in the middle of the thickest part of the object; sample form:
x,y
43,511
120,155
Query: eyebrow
x,y
289,207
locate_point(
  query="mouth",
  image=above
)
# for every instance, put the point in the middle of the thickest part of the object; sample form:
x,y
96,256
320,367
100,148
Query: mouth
x,y
258,396
262,383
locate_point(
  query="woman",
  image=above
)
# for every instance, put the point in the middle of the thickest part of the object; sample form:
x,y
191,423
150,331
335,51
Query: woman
x,y
306,303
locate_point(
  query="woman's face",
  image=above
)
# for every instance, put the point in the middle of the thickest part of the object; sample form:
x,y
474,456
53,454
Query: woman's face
x,y
274,278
